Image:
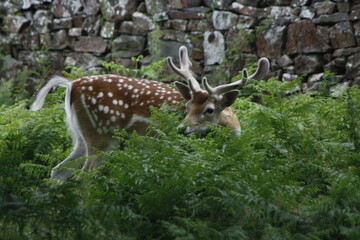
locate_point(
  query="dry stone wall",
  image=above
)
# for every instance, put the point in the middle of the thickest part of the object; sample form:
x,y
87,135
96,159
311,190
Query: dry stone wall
x,y
300,37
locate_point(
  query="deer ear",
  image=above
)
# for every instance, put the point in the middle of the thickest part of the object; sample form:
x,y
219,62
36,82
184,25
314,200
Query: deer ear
x,y
184,90
229,98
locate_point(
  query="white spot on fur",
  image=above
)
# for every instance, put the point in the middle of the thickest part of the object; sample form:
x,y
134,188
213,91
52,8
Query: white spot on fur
x,y
101,108
110,94
100,95
106,109
121,102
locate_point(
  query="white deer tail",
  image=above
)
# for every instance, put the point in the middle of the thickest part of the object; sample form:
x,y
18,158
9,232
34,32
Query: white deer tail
x,y
54,82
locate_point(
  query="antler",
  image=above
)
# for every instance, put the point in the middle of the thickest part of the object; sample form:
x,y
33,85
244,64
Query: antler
x,y
261,71
184,70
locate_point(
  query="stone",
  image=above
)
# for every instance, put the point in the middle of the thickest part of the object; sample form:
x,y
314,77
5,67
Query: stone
x,y
96,45
176,4
41,21
142,23
305,64
337,65
117,10
160,17
346,52
284,61
180,4
154,7
175,14
107,30
223,20
178,24
198,25
66,8
78,21
279,12
141,8
300,3
126,27
175,35
353,65
355,14
16,24
339,89
91,25
26,4
267,3
9,66
253,3
311,87
249,11
218,4
170,49
214,48
287,77
75,32
59,40
61,23
246,22
91,7
240,40
37,59
84,60
324,7
356,27
343,6
332,18
316,78
134,45
310,39
270,43
307,12
127,63
342,36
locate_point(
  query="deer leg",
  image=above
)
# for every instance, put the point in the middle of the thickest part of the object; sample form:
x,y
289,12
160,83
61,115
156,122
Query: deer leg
x,y
59,172
102,143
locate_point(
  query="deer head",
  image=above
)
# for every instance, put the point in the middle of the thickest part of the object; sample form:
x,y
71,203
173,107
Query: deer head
x,y
210,104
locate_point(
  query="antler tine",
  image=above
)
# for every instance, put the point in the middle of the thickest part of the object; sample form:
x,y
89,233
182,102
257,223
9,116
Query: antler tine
x,y
228,87
184,70
207,87
261,71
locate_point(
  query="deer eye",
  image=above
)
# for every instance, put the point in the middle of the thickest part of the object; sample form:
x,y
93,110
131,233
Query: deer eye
x,y
209,111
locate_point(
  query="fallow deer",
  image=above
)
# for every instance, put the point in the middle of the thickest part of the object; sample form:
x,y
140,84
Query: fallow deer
x,y
97,105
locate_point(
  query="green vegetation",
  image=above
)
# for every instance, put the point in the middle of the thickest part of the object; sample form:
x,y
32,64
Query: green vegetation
x,y
292,174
